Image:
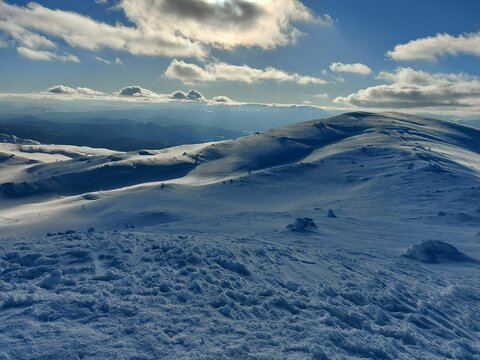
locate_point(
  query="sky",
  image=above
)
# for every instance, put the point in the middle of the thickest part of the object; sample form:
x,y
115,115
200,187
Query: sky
x,y
365,54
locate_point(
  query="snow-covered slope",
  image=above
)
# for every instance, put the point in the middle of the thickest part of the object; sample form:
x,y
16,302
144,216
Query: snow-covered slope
x,y
190,255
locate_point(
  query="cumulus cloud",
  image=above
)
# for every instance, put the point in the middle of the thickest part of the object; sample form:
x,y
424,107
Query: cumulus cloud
x,y
66,90
409,88
222,99
137,91
430,48
191,95
172,28
44,55
225,24
356,68
190,73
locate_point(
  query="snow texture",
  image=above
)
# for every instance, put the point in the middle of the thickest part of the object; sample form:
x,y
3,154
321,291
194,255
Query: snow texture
x,y
144,296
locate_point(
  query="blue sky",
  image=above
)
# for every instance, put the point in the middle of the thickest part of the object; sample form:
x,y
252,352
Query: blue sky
x,y
388,54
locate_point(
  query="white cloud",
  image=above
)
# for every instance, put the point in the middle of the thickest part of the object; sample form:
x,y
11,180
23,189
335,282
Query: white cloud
x,y
46,55
132,93
430,48
117,60
137,91
102,60
409,88
83,32
66,90
23,36
222,99
356,68
190,73
225,24
61,89
88,91
135,94
172,28
191,95
128,92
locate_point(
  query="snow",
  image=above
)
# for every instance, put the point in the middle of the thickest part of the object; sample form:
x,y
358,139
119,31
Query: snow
x,y
164,296
204,267
431,251
12,139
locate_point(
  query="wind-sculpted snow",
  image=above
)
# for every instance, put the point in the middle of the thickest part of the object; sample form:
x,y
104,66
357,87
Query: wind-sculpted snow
x,y
146,296
432,251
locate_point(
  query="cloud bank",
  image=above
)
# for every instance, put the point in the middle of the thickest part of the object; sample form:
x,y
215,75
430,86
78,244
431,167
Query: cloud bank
x,y
191,73
132,92
138,94
409,88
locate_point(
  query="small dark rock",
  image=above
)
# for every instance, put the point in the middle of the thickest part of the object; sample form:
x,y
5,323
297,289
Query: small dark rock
x,y
331,214
302,224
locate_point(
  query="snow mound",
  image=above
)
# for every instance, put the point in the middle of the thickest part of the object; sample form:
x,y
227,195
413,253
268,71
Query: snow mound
x,y
433,251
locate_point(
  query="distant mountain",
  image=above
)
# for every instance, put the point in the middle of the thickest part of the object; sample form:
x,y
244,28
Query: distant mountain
x,y
471,121
116,134
12,139
244,117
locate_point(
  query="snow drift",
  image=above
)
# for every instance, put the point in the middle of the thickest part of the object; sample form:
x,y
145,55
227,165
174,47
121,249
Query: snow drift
x,y
432,251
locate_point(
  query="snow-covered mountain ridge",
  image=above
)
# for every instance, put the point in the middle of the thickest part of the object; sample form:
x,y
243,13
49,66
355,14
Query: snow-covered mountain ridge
x,y
303,142
186,252
382,158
